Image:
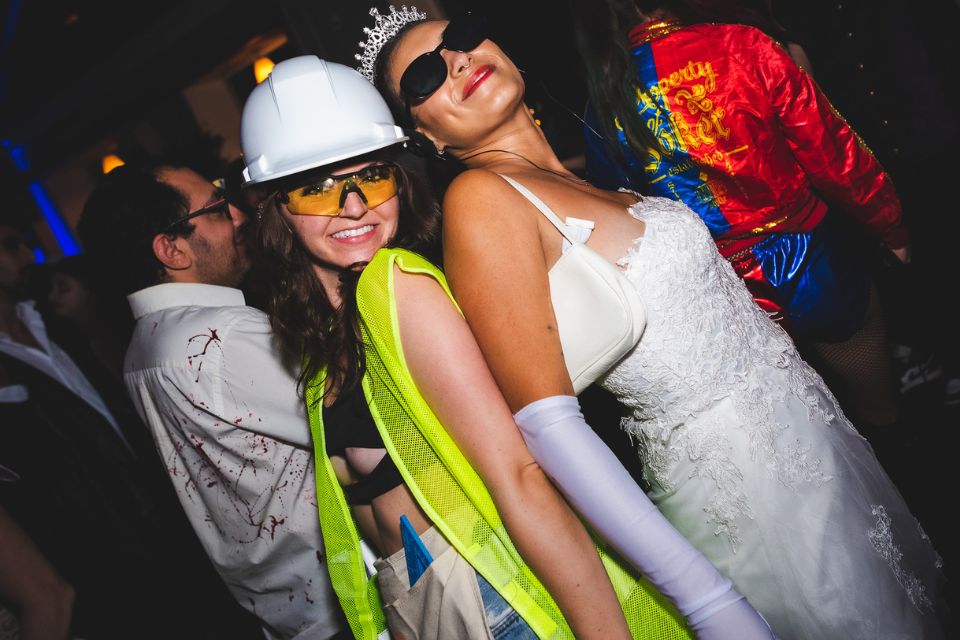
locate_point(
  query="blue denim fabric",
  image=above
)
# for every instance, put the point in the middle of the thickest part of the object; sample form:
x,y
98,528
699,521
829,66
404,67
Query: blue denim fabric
x,y
504,622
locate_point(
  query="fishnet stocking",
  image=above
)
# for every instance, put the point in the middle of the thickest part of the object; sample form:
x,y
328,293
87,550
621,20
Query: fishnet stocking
x,y
860,371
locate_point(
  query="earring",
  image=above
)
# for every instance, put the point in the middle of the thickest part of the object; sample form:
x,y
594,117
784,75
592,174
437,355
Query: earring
x,y
422,145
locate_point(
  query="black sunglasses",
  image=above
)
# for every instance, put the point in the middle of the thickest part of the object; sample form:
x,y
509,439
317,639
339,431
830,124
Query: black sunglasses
x,y
220,205
429,70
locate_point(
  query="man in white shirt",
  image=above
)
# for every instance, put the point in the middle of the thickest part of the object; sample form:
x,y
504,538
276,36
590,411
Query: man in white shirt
x,y
203,372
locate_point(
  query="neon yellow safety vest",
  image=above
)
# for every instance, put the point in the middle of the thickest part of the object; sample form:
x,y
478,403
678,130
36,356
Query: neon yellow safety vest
x,y
444,484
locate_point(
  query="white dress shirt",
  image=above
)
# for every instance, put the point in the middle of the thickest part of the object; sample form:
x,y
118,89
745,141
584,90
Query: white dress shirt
x,y
53,361
204,372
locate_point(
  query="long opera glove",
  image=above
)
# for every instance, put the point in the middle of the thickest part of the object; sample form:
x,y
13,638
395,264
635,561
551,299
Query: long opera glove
x,y
589,475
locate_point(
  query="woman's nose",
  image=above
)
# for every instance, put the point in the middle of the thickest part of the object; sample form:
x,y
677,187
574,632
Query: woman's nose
x,y
458,62
353,206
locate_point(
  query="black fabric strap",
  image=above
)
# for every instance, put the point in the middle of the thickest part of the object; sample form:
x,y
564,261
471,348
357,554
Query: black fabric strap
x,y
349,423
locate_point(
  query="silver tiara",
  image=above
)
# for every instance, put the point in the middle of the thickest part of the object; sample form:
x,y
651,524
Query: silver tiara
x,y
385,28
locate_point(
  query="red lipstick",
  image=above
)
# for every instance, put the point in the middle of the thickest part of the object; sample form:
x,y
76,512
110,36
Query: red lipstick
x,y
478,76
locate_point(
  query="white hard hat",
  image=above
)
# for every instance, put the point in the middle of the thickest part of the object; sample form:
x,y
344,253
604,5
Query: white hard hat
x,y
308,113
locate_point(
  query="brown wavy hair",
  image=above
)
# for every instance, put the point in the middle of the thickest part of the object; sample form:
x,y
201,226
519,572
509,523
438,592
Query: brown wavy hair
x,y
309,328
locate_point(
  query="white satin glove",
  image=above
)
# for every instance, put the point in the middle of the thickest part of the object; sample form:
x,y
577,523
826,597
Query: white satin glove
x,y
603,492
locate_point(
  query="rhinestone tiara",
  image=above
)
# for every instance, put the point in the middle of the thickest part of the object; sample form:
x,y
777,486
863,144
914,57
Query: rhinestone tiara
x,y
385,28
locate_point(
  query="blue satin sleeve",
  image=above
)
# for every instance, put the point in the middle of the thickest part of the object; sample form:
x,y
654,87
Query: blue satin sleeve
x,y
603,170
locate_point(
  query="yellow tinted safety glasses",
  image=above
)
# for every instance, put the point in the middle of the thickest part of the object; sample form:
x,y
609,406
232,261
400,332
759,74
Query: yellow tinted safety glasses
x,y
326,195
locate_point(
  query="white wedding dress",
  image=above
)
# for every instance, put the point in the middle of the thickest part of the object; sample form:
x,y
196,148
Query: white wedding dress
x,y
747,453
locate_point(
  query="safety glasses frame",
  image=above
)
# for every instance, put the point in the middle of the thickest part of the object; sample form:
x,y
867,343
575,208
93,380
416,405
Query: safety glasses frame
x,y
347,183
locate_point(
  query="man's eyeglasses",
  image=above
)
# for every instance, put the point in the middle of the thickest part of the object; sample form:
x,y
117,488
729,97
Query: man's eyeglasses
x,y
220,205
326,195
429,70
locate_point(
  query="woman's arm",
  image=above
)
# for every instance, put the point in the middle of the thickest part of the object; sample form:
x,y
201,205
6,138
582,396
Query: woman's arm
x,y
606,495
838,163
450,372
497,270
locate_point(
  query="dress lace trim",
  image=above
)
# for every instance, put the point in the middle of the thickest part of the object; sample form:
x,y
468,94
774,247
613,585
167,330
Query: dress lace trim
x,y
881,536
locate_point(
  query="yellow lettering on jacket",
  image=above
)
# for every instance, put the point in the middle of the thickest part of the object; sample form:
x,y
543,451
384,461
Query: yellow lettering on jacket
x,y
688,88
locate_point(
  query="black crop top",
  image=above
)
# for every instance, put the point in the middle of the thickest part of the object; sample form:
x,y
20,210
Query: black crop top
x,y
349,423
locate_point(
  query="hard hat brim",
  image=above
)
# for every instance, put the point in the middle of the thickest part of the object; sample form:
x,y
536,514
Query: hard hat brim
x,y
307,165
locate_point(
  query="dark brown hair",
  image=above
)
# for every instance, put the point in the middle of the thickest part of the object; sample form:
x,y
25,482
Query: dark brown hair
x,y
309,328
398,105
127,208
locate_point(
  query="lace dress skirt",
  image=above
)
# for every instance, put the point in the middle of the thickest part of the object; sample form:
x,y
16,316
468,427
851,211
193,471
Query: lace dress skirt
x,y
747,453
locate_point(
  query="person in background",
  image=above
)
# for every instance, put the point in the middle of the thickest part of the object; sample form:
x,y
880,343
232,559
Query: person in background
x,y
36,603
203,372
103,320
890,69
719,117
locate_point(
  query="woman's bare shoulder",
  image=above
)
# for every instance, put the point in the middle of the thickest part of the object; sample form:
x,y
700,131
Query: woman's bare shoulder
x,y
484,220
480,198
473,180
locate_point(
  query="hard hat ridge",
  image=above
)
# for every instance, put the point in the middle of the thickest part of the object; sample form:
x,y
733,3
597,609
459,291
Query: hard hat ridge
x,y
310,113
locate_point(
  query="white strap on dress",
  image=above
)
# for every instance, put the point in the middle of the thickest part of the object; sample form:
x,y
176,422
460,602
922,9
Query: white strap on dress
x,y
574,231
599,314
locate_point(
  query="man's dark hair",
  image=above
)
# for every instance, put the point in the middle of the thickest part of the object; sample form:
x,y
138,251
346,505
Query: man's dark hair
x,y
125,211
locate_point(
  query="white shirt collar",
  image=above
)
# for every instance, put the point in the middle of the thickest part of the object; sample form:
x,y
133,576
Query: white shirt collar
x,y
28,314
183,294
54,362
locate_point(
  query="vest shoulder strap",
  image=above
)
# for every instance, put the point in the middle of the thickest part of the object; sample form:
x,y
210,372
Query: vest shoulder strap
x,y
356,591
